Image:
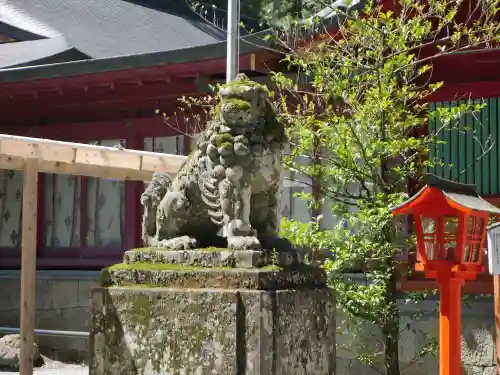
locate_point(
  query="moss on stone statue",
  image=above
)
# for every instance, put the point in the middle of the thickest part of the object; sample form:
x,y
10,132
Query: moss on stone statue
x,y
148,249
156,267
129,336
180,267
203,249
224,140
242,82
271,277
273,126
214,249
142,309
239,87
177,267
142,286
271,267
239,103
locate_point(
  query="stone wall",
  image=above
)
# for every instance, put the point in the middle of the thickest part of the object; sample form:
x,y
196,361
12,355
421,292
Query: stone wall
x,y
419,322
63,304
62,301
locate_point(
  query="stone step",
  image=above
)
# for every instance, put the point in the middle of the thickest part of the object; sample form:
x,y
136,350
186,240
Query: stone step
x,y
177,276
214,257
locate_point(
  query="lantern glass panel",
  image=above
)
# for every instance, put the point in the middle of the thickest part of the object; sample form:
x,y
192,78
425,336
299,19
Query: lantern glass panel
x,y
450,237
429,231
472,249
440,237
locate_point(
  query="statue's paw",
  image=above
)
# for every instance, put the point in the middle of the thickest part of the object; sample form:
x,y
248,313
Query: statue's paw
x,y
243,243
179,243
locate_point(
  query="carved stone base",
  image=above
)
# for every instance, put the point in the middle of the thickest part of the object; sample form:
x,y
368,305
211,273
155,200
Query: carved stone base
x,y
183,318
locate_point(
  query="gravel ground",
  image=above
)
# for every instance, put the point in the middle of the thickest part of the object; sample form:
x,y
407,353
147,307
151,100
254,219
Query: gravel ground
x,y
56,368
64,370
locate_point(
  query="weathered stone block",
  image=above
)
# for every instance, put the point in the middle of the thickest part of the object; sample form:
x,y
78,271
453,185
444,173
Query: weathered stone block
x,y
10,294
248,312
84,289
211,257
478,347
491,370
44,294
161,275
472,370
146,331
64,293
10,353
49,319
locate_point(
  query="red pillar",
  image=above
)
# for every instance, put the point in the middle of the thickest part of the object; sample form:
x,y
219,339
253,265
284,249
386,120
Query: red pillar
x,y
450,326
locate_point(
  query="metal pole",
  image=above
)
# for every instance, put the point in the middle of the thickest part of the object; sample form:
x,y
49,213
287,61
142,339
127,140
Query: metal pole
x,y
233,31
47,332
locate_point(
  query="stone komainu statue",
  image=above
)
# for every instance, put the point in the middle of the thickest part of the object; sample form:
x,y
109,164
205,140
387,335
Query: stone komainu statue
x,y
230,186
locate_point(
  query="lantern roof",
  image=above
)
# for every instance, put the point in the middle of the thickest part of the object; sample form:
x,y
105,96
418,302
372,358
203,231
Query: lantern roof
x,y
462,197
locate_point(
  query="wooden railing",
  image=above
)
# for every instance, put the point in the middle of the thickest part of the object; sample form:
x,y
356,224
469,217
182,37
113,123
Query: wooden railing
x,y
33,155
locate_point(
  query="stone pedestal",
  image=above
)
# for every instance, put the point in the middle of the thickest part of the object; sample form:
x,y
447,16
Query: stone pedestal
x,y
212,312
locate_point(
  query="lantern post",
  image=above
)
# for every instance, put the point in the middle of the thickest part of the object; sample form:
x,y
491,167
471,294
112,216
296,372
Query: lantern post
x,y
450,223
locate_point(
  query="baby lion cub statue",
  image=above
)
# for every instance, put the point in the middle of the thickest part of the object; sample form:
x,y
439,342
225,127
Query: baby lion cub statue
x,y
230,186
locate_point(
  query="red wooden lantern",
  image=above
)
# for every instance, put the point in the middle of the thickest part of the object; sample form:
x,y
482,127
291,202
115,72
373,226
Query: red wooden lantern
x,y
450,220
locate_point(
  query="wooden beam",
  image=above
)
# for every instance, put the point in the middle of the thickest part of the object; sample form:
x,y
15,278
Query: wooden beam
x,y
85,160
133,191
16,163
28,265
113,173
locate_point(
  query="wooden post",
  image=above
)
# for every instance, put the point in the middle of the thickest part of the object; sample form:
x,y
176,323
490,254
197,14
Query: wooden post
x,y
133,191
28,265
496,297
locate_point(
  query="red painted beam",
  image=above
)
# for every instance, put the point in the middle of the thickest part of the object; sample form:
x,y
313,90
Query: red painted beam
x,y
188,69
144,127
265,62
17,115
100,95
473,90
467,67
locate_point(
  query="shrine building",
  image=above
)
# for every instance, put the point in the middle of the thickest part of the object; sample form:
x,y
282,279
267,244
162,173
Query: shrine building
x,y
97,71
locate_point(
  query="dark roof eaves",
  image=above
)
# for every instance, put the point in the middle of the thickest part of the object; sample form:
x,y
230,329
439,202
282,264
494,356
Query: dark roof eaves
x,y
474,203
18,33
66,55
450,186
249,44
409,200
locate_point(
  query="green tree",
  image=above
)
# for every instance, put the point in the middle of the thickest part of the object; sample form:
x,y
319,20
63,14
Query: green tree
x,y
355,105
356,112
267,12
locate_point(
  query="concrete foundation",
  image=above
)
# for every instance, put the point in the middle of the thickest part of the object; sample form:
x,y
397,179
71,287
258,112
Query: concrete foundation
x,y
214,319
62,303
